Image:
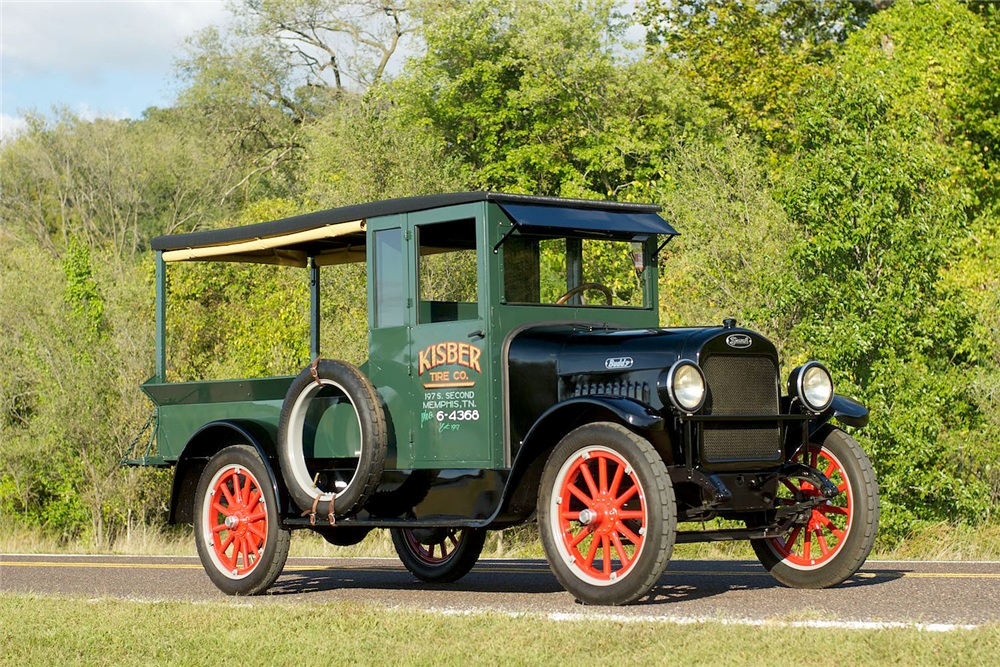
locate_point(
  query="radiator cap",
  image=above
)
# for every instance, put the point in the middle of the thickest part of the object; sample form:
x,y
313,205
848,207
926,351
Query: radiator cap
x,y
728,323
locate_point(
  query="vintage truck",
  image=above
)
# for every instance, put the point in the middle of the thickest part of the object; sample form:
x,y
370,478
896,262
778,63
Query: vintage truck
x,y
517,372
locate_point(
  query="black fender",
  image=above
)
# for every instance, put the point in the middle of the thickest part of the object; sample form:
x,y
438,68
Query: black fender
x,y
203,445
845,410
519,495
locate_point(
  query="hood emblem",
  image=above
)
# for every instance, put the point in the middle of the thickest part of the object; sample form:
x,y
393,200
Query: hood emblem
x,y
618,363
739,341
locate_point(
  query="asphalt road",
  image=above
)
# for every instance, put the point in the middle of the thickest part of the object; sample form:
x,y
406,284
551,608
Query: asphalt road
x,y
890,591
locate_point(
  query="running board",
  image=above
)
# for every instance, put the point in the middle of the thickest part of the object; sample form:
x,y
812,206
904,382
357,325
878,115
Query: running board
x,y
688,536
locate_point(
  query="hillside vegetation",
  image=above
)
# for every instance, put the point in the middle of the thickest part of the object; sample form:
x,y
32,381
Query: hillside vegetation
x,y
833,169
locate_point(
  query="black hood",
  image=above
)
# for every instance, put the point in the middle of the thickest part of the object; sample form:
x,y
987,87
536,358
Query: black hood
x,y
633,350
546,364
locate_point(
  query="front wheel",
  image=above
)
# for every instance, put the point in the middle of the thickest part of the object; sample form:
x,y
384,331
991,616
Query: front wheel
x,y
438,555
835,540
237,531
606,513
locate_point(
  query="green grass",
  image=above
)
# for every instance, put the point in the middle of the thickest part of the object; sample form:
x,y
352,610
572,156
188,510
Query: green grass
x,y
45,631
934,541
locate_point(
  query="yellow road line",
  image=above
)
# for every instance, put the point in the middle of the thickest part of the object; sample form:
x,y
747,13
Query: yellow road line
x,y
498,570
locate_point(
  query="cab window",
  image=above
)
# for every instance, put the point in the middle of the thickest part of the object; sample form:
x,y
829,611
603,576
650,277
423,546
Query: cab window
x,y
448,280
388,289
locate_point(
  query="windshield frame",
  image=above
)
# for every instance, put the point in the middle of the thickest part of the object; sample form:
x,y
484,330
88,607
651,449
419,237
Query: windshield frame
x,y
647,278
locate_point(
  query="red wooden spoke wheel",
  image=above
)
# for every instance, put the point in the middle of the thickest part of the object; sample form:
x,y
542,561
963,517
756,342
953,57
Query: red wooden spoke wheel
x,y
600,510
443,547
438,555
236,520
813,545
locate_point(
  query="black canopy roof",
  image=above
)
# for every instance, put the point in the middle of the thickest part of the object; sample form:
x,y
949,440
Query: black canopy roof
x,y
338,235
637,218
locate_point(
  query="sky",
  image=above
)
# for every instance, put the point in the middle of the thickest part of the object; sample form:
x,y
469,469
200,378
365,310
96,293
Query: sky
x,y
96,57
101,58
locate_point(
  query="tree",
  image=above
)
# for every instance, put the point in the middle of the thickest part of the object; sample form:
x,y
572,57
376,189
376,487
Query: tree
x,y
873,186
332,40
284,65
535,97
110,183
753,59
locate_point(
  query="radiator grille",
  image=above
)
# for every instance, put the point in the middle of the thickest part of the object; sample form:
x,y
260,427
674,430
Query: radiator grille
x,y
741,385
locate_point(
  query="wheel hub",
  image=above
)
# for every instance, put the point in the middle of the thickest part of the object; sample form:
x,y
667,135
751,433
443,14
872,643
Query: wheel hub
x,y
232,521
605,514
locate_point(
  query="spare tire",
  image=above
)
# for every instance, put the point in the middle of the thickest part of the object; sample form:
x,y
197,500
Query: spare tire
x,y
348,380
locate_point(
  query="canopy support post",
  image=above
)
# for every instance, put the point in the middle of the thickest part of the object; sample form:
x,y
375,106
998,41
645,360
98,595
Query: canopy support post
x,y
313,308
161,318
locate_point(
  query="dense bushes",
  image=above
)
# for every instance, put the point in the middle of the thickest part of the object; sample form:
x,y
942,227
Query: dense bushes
x,y
833,172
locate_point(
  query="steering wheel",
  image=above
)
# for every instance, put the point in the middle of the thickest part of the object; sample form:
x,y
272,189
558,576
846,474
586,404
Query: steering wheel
x,y
561,301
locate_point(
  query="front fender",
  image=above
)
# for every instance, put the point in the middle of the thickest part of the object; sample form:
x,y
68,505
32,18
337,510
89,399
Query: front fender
x,y
522,484
630,411
203,445
845,410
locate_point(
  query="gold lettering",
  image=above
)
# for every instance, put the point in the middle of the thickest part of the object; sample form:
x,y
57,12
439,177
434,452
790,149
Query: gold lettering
x,y
449,352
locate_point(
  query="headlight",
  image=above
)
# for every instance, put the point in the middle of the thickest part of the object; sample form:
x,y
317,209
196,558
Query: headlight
x,y
813,385
684,386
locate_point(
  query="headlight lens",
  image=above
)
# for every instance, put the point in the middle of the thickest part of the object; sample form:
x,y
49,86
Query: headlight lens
x,y
813,385
686,386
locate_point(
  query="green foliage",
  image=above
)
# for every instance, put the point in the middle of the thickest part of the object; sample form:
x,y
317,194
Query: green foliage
x,y
732,258
833,169
214,319
81,288
367,150
533,98
752,59
876,193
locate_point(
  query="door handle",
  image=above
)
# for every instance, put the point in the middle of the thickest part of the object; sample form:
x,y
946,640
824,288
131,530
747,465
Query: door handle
x,y
477,334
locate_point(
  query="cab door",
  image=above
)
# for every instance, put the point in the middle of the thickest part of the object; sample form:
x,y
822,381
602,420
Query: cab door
x,y
389,323
448,340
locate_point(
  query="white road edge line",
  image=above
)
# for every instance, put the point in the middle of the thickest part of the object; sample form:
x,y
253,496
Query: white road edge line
x,y
579,617
561,616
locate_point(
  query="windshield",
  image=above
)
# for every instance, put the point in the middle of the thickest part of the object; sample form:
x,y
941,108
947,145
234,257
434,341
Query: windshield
x,y
573,271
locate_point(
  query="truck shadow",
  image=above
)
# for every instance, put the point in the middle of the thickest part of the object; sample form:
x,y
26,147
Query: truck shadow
x,y
709,578
683,580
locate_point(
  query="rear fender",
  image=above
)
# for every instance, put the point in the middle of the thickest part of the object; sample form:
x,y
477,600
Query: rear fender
x,y
203,445
521,491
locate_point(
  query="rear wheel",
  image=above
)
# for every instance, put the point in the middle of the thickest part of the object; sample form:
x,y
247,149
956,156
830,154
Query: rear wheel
x,y
438,555
835,540
606,513
239,536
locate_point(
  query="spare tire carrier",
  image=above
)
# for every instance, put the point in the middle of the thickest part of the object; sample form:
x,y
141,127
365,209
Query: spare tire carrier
x,y
347,379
